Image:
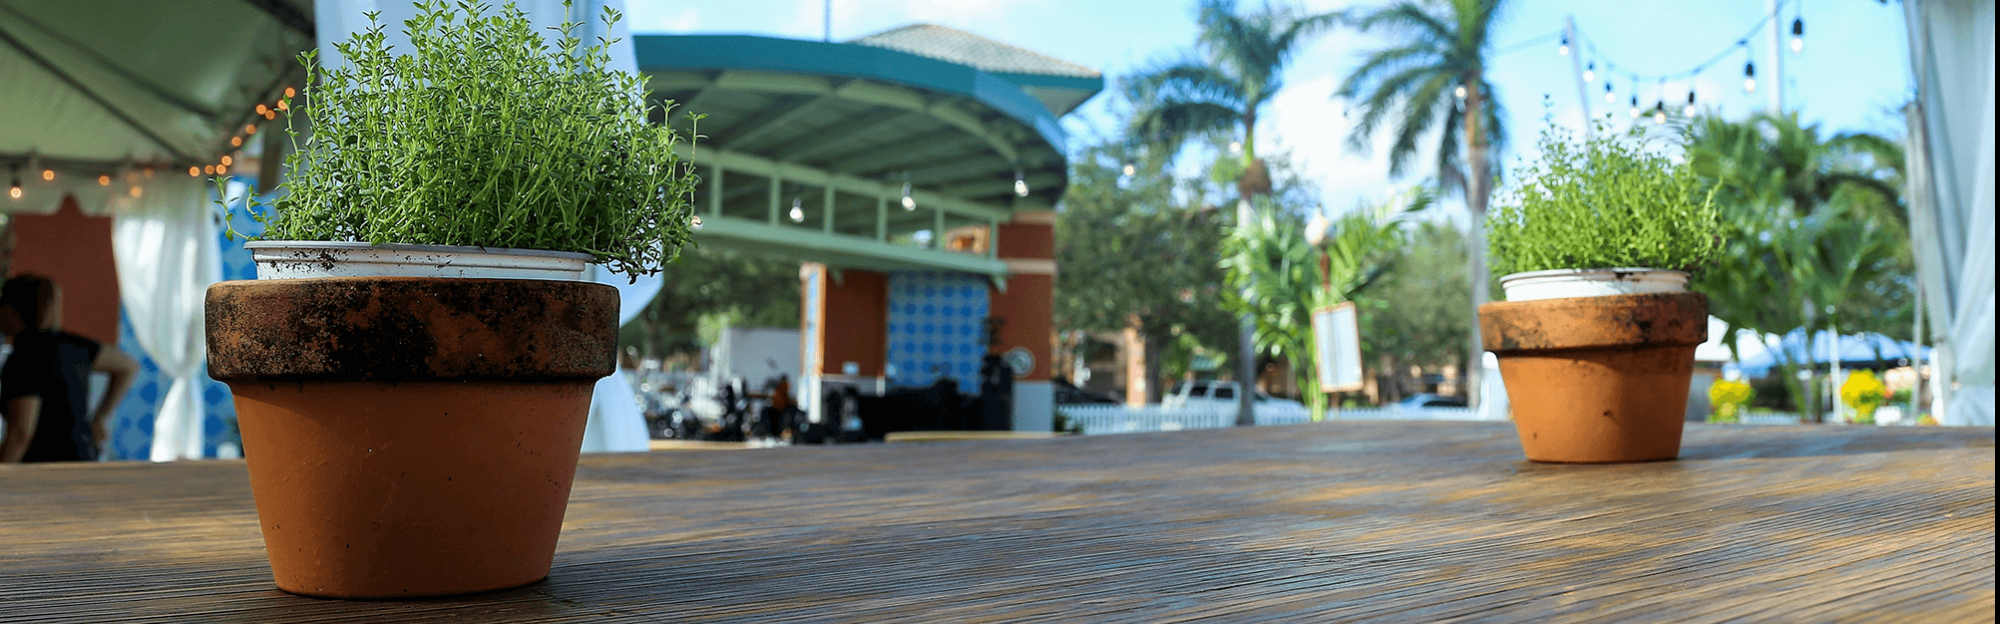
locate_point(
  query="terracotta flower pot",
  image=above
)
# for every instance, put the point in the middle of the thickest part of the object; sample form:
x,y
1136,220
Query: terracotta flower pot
x,y
410,436
1597,379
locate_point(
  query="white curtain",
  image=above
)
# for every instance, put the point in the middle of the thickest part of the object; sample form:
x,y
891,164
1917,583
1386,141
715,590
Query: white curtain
x,y
617,425
164,242
1952,203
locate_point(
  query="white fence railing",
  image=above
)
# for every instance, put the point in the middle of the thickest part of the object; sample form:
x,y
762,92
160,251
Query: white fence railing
x,y
1109,418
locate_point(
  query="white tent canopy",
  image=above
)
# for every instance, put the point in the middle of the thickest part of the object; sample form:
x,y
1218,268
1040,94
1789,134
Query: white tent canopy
x,y
1951,207
117,99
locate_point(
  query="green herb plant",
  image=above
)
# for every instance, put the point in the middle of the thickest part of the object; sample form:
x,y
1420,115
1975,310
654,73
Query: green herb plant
x,y
483,135
1604,202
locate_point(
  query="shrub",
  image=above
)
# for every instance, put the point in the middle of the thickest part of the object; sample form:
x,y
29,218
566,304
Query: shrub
x,y
1864,392
1729,398
484,135
1606,202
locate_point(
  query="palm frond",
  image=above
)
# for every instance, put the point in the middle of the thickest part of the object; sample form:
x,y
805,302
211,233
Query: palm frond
x,y
1170,125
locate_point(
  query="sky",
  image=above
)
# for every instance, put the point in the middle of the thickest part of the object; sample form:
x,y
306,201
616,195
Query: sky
x,y
1851,76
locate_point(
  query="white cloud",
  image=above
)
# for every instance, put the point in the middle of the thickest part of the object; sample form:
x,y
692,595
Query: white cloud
x,y
685,21
1306,120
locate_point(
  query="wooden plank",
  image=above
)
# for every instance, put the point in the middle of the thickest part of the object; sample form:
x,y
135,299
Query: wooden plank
x,y
1396,521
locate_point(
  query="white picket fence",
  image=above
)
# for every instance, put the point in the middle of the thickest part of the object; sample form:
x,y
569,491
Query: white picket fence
x,y
1110,418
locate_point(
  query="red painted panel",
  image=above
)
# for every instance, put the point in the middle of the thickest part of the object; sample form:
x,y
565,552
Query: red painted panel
x,y
74,250
856,322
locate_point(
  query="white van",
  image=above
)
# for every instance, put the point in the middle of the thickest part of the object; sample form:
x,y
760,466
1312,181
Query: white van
x,y
1222,395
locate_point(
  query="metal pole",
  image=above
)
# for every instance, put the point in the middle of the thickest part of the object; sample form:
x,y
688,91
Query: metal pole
x,y
1246,350
829,21
1576,66
1777,103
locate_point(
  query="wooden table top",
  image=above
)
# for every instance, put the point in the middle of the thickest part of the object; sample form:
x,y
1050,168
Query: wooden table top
x,y
1388,521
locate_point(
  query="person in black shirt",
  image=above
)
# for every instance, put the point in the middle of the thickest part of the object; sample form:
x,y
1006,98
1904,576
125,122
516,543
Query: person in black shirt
x,y
45,383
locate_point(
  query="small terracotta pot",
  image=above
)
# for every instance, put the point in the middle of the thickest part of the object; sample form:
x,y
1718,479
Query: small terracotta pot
x,y
1597,379
410,436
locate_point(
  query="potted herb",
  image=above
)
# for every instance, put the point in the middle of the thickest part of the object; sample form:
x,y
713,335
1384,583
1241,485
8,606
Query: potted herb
x,y
413,366
1597,335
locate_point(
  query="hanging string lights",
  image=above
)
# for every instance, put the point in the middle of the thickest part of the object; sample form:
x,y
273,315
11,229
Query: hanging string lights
x,y
1611,70
1020,184
909,203
14,187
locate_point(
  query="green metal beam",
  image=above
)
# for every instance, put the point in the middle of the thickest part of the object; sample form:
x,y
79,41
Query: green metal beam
x,y
806,148
773,119
865,92
837,249
813,176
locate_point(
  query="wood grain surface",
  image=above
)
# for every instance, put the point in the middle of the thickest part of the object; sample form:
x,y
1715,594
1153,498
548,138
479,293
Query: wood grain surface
x,y
1365,521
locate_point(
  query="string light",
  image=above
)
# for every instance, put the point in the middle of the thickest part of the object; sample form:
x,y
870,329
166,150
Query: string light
x,y
1130,169
1460,92
236,141
135,192
798,213
289,92
1749,77
221,170
283,105
48,175
1689,111
1590,72
1564,50
250,129
693,221
261,109
1798,35
227,161
909,203
194,172
210,170
14,189
1659,113
1020,184
1635,104
1609,97
104,180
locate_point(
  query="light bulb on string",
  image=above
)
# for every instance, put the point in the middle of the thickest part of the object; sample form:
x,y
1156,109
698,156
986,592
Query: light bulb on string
x,y
104,180
1460,92
798,213
48,175
1590,72
1130,169
1564,50
909,203
1020,184
1609,97
227,161
694,222
194,172
1635,105
1660,113
1689,110
1798,35
14,188
236,141
1749,76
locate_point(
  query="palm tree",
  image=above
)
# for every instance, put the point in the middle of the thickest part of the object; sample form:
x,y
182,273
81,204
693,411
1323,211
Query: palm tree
x,y
1817,232
1220,94
1436,78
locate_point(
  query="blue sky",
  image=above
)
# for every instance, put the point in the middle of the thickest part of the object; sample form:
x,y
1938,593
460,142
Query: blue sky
x,y
1851,76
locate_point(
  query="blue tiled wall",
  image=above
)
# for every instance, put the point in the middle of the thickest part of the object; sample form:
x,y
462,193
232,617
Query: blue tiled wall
x,y
935,320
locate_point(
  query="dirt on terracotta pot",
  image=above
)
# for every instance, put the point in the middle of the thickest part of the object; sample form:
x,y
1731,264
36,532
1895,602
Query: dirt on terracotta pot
x,y
410,436
1597,379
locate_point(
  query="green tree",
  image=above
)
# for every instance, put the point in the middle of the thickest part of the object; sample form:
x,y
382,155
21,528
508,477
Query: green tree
x,y
715,288
1278,278
1816,235
1435,77
1238,71
1140,248
1219,91
1413,315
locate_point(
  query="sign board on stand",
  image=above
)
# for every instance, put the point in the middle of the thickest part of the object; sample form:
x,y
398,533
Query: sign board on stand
x,y
1337,348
